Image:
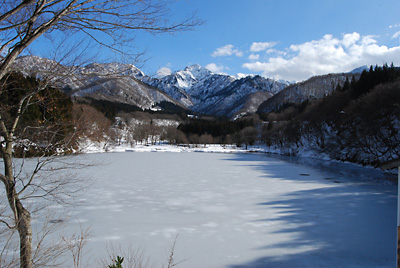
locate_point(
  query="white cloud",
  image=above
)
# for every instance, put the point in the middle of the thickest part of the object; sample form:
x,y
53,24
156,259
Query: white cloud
x,y
164,71
218,69
327,55
275,51
350,39
396,35
254,57
227,50
260,46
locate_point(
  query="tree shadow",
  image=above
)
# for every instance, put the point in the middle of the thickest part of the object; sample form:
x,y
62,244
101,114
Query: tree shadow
x,y
347,220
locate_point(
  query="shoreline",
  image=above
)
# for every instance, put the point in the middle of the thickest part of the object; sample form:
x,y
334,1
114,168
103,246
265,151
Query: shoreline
x,y
307,157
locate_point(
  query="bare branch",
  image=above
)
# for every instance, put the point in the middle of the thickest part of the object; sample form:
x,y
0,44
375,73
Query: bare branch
x,y
16,9
3,179
8,225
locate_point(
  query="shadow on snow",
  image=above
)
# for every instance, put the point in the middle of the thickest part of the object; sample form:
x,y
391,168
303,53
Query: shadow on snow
x,y
344,222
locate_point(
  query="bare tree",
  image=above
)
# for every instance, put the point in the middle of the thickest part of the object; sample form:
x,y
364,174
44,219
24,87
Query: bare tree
x,y
175,136
206,139
248,135
90,123
109,23
22,217
75,245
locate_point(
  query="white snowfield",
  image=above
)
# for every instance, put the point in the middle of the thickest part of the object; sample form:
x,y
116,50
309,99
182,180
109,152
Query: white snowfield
x,y
238,210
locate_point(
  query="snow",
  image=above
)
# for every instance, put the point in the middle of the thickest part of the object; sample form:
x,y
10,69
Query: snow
x,y
237,210
88,146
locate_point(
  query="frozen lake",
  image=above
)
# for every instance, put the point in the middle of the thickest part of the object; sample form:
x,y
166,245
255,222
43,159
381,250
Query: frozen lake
x,y
238,210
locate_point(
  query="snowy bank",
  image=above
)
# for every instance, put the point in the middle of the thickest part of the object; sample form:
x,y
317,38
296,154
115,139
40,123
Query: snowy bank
x,y
101,147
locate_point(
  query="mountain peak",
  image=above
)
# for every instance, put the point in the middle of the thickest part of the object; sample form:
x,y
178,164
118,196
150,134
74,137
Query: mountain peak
x,y
190,76
197,71
360,69
193,67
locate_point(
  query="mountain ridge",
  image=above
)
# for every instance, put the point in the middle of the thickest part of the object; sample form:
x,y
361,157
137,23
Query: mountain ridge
x,y
316,87
206,92
195,87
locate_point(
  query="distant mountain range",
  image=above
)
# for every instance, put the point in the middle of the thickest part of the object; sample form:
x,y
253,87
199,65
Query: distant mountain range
x,y
206,92
194,88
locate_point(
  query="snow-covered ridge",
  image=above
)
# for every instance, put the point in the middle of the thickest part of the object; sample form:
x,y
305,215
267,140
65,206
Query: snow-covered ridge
x,y
111,69
194,87
207,92
115,82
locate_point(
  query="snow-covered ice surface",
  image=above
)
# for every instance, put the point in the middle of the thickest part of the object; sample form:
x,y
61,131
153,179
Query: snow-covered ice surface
x,y
238,210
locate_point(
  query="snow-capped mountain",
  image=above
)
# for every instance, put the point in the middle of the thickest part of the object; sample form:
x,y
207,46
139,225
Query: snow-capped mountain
x,y
191,85
195,87
113,82
126,90
206,92
119,83
233,98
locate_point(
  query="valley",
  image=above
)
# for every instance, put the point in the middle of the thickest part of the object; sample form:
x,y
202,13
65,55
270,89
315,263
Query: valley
x,y
197,106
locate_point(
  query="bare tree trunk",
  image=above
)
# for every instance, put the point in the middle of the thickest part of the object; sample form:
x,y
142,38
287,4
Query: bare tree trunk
x,y
23,226
22,216
25,236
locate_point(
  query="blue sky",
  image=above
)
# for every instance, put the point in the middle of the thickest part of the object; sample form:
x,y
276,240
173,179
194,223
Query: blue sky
x,y
283,39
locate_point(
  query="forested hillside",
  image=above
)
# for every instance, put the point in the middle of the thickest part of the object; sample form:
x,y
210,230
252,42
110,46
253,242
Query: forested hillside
x,y
359,122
